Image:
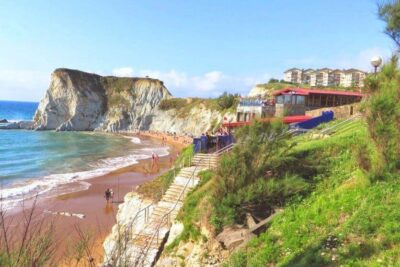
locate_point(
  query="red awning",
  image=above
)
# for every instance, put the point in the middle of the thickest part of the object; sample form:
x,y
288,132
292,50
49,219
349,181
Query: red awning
x,y
286,120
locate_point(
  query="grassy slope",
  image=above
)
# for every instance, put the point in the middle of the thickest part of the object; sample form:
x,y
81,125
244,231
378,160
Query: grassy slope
x,y
155,188
347,221
184,106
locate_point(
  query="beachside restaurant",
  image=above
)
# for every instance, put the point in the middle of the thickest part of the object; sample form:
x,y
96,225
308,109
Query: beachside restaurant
x,y
296,101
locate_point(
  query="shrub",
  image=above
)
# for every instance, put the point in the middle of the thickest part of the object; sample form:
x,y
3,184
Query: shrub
x,y
255,177
227,101
172,103
383,113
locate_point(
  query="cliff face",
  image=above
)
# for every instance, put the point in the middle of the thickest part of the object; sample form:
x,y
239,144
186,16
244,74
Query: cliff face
x,y
82,101
79,101
197,121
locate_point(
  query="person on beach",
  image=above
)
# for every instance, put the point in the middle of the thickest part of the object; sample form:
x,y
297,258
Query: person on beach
x,y
154,160
108,194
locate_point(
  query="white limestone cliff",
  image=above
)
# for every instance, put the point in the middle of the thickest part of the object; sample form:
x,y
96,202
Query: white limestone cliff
x,y
80,101
259,90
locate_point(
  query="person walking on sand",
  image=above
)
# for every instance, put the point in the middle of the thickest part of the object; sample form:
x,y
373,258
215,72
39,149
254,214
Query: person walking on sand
x,y
154,160
108,194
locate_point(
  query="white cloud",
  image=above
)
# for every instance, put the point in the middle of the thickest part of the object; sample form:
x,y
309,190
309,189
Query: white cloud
x,y
23,85
209,84
30,85
363,58
123,72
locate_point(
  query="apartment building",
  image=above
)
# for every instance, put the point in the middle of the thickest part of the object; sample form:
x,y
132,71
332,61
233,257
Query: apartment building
x,y
326,77
357,77
322,77
293,75
309,77
337,78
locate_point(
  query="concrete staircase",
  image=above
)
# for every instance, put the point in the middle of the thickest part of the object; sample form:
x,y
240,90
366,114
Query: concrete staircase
x,y
209,161
145,245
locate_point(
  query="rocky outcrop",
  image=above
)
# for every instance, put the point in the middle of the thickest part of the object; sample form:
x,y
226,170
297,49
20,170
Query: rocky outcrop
x,y
197,121
80,101
260,90
27,125
83,101
204,252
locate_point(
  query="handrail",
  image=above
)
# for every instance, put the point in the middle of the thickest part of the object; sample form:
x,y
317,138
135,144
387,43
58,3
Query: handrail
x,y
224,149
134,220
340,123
166,215
147,248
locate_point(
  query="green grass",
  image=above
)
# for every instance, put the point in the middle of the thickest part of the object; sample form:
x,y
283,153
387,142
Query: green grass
x,y
184,106
347,218
347,206
194,208
155,188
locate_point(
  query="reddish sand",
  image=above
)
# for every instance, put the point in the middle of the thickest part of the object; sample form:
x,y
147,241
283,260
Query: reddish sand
x,y
99,216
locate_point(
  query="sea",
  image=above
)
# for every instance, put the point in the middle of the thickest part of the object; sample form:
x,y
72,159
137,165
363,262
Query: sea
x,y
39,163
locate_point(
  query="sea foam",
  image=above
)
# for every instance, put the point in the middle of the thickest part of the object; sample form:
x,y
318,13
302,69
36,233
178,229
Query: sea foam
x,y
16,193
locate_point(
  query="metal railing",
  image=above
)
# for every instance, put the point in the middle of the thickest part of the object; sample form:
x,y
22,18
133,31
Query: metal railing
x,y
329,129
166,218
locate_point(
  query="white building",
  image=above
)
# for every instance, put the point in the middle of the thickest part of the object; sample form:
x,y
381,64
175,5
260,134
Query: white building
x,y
357,77
309,77
326,77
337,78
293,75
322,78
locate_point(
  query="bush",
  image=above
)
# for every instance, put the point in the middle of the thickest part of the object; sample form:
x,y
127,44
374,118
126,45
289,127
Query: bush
x,y
255,177
383,113
172,103
227,101
155,188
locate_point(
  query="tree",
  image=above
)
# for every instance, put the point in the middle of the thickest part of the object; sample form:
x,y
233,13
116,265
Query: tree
x,y
226,101
389,12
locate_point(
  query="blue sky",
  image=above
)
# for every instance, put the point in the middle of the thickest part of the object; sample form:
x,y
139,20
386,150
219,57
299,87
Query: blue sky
x,y
199,48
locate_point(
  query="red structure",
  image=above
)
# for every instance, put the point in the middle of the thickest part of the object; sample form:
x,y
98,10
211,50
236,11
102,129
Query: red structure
x,y
291,104
286,120
296,101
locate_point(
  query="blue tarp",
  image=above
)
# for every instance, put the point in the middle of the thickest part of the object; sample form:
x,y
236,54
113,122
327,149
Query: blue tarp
x,y
201,144
314,122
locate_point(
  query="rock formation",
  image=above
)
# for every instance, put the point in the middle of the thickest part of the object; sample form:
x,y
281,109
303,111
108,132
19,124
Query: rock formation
x,y
80,101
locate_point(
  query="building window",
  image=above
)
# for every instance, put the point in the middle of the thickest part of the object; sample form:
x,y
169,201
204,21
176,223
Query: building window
x,y
279,99
287,99
300,100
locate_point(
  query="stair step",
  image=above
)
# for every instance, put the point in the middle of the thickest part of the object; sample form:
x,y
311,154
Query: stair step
x,y
172,200
144,242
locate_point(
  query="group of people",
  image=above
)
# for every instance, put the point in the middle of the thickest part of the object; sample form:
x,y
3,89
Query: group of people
x,y
168,136
214,141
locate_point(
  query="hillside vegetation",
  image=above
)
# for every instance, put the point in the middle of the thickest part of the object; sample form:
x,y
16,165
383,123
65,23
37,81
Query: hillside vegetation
x,y
336,210
224,103
339,192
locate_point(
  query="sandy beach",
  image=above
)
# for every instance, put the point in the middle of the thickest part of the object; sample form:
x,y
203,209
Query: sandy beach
x,y
99,216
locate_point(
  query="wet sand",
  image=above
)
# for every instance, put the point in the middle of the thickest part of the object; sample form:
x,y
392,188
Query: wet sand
x,y
99,216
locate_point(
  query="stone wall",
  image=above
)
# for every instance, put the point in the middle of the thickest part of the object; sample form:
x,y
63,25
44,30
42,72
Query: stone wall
x,y
341,112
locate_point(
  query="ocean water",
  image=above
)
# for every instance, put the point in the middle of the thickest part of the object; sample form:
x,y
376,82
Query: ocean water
x,y
38,162
17,111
